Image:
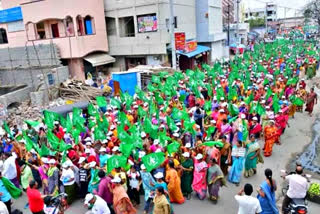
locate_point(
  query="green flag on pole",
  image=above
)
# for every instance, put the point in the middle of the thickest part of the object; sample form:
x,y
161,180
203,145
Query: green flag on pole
x,y
153,160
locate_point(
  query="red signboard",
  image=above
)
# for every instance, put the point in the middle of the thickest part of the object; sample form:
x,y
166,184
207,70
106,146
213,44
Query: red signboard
x,y
180,41
191,46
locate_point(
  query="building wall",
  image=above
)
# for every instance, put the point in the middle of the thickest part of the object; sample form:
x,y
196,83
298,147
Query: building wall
x,y
75,46
217,50
153,42
76,68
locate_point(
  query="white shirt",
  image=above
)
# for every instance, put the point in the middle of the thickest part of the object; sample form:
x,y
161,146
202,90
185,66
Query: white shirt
x,y
100,206
67,174
9,168
3,208
248,204
298,186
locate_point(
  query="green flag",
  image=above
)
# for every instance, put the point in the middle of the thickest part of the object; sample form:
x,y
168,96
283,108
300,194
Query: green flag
x,y
210,130
153,160
98,134
115,103
207,106
126,149
172,126
115,162
212,143
298,102
44,151
275,103
155,79
63,147
173,147
32,123
29,143
92,111
50,117
101,101
53,140
75,134
233,109
7,129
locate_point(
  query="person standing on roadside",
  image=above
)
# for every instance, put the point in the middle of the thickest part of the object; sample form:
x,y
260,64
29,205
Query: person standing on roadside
x,y
247,203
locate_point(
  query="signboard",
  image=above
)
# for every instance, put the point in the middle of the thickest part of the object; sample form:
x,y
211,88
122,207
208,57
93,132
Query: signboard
x,y
11,15
147,23
180,41
191,46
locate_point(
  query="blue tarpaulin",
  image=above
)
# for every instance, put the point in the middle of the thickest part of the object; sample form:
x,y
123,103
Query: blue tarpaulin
x,y
127,80
11,15
200,49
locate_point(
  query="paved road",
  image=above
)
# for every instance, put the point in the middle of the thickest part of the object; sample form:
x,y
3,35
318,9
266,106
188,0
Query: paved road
x,y
293,141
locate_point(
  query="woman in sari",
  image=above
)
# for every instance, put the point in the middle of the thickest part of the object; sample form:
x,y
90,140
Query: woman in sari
x,y
94,179
271,136
237,164
253,151
225,155
199,183
147,184
266,194
161,204
187,176
161,184
215,180
174,184
121,201
311,100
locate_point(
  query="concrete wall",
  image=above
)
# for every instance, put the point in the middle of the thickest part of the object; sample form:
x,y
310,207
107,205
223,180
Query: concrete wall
x,y
23,57
34,76
151,43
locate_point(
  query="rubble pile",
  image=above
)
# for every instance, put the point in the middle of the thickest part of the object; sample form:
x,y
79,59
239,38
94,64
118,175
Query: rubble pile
x,y
75,90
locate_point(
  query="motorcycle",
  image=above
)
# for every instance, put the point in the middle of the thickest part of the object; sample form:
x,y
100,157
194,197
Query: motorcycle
x,y
296,205
54,205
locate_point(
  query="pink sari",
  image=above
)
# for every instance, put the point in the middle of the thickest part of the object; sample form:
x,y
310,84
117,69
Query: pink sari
x,y
199,183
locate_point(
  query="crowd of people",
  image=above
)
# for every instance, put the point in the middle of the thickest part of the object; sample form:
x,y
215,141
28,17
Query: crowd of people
x,y
190,132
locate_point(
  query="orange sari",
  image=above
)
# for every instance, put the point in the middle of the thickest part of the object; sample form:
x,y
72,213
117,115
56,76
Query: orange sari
x,y
121,201
174,186
271,136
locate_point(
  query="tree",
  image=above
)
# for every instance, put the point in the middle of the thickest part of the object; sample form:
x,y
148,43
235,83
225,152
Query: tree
x,y
312,11
257,22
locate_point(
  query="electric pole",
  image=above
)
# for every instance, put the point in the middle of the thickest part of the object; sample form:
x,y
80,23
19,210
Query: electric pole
x,y
173,46
266,18
238,19
228,25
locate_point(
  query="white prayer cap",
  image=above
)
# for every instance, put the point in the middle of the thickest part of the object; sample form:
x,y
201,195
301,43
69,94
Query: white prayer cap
x,y
87,151
116,180
255,118
104,142
243,116
81,159
158,150
188,145
156,142
102,149
186,154
88,198
145,104
88,144
143,134
199,156
213,121
175,134
92,164
141,154
143,166
116,148
112,127
44,160
221,110
52,161
158,175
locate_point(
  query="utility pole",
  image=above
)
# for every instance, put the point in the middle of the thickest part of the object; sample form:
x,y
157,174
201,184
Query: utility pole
x,y
238,19
173,46
228,25
266,19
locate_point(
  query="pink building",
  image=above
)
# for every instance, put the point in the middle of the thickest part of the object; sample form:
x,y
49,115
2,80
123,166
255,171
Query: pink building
x,y
77,27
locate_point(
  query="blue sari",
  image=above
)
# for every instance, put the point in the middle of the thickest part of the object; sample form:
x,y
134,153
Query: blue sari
x,y
236,169
267,203
146,179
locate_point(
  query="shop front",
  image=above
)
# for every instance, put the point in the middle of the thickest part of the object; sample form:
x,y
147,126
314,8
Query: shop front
x,y
193,59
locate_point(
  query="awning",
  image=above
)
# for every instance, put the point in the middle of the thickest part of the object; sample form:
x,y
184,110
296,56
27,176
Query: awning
x,y
99,59
200,49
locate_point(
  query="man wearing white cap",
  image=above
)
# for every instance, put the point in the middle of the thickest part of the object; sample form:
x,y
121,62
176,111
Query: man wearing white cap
x,y
68,181
103,156
99,206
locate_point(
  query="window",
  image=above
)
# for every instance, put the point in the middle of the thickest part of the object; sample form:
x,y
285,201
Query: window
x,y
80,28
126,27
88,25
55,30
175,23
41,31
69,26
111,26
3,36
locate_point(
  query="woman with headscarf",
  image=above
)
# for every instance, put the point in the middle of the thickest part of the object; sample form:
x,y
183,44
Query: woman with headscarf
x,y
121,201
215,180
174,184
266,194
199,183
187,175
253,152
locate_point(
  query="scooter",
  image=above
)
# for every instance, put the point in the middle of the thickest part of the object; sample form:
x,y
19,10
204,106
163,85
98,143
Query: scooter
x,y
296,205
53,205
